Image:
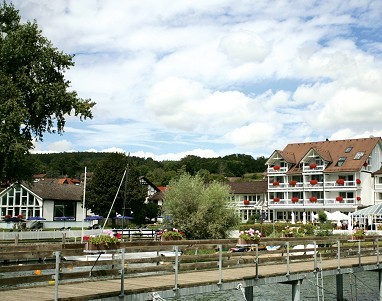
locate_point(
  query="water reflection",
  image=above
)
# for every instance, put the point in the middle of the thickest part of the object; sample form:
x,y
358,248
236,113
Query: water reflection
x,y
357,287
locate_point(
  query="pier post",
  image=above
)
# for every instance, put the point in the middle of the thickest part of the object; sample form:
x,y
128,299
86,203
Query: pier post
x,y
380,284
340,286
296,290
122,294
248,292
57,254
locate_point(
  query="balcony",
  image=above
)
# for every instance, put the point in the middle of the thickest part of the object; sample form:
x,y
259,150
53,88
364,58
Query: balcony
x,y
313,169
281,170
331,185
318,203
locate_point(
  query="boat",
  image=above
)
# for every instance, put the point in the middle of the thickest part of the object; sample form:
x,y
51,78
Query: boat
x,y
273,248
116,256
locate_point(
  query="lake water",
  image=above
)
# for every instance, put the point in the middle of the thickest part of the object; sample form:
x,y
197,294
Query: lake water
x,y
357,287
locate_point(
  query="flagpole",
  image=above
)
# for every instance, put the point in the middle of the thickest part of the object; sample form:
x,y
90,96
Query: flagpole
x,y
83,209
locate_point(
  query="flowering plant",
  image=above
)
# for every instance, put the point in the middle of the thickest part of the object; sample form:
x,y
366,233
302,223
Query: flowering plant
x,y
107,237
287,232
251,234
359,233
173,233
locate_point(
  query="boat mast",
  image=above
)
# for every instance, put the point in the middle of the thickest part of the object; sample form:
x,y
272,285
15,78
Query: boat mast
x,y
125,194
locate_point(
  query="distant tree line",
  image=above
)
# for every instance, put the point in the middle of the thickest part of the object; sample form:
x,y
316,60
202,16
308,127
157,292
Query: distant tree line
x,y
159,172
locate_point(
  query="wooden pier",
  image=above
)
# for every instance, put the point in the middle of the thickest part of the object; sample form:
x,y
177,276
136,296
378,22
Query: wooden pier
x,y
212,272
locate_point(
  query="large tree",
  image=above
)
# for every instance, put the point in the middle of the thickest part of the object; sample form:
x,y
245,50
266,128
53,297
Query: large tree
x,y
202,210
34,95
104,184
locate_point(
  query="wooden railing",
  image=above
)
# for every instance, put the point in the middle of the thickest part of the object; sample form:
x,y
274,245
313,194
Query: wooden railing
x,y
41,264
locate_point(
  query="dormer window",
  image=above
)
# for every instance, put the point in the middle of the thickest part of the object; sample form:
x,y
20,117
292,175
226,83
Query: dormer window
x,y
358,155
348,149
341,161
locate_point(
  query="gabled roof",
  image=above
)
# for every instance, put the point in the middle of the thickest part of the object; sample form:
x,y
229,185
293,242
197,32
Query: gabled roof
x,y
144,181
324,154
255,187
288,157
332,151
157,196
55,191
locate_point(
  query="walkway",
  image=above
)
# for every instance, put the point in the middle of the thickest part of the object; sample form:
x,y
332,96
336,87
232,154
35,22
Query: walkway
x,y
140,288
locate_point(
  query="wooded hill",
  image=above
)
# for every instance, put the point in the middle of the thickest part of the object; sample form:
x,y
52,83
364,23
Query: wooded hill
x,y
159,172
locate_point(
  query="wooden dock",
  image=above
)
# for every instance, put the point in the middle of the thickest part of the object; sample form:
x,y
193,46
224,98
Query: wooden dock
x,y
140,288
194,273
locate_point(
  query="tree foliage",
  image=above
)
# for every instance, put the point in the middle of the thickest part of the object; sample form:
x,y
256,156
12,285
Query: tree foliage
x,y
103,188
34,95
202,211
159,172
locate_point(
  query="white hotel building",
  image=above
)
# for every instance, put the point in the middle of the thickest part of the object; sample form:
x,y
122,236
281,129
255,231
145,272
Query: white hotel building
x,y
341,175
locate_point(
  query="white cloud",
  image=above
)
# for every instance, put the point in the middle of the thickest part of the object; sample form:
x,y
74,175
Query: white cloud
x,y
213,77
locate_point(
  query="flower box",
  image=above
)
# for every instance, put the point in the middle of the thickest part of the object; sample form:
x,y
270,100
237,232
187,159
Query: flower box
x,y
169,238
173,234
339,199
292,183
340,181
313,199
249,237
312,165
276,199
313,182
246,202
295,199
358,198
276,167
242,241
358,181
89,246
275,183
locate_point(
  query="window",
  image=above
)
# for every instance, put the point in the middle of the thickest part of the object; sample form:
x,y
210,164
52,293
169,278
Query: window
x,y
341,161
348,149
64,208
358,155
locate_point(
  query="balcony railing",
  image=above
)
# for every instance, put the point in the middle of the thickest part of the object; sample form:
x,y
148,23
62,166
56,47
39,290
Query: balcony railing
x,y
307,185
271,170
319,202
308,169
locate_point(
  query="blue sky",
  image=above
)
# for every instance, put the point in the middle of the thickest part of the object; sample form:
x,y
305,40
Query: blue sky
x,y
212,78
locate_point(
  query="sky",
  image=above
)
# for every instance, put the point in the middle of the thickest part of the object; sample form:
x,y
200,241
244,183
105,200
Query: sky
x,y
217,77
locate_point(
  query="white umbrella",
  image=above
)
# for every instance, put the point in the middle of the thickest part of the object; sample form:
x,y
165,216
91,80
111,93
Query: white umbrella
x,y
293,221
338,216
304,218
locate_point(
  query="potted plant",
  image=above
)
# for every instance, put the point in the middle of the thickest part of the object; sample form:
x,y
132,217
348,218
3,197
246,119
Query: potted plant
x,y
339,198
246,202
276,183
276,199
340,182
173,234
249,237
292,183
295,199
312,165
276,167
106,240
